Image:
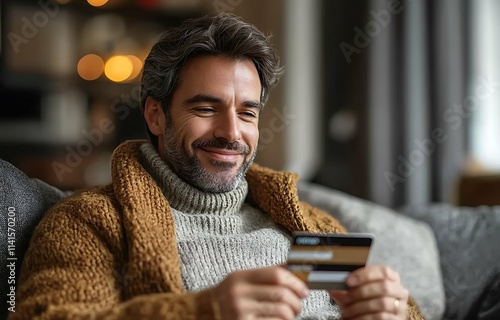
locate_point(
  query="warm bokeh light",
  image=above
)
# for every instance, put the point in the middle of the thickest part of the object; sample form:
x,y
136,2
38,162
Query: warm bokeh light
x,y
137,66
118,68
97,3
90,67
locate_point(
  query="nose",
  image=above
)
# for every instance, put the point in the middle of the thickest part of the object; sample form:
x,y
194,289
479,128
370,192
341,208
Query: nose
x,y
228,127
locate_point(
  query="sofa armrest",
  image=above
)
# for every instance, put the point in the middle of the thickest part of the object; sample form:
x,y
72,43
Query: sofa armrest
x,y
468,241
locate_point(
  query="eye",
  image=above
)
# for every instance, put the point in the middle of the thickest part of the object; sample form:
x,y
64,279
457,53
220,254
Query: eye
x,y
249,114
204,110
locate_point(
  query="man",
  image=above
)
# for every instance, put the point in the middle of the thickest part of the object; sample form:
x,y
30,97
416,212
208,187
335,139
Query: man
x,y
187,229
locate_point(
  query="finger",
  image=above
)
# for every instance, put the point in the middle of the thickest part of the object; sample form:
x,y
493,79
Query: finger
x,y
384,307
279,276
278,294
273,309
371,273
371,317
376,289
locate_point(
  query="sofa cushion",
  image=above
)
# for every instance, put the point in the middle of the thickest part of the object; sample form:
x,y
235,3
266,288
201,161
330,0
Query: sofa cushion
x,y
406,245
23,202
468,241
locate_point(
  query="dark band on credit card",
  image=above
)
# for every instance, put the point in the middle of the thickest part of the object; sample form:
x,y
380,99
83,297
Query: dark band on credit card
x,y
324,261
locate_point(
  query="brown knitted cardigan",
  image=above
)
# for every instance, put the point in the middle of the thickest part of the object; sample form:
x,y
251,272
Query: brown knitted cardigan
x,y
111,252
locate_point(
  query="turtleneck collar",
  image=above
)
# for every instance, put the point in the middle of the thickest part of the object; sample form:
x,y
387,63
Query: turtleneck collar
x,y
186,198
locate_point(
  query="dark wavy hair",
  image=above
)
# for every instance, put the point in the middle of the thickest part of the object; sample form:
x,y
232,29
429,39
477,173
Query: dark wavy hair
x,y
223,34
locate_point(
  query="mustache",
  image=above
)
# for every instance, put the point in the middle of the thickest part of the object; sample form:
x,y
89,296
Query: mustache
x,y
221,144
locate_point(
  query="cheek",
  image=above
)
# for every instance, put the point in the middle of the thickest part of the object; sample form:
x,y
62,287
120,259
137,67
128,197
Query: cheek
x,y
253,136
191,131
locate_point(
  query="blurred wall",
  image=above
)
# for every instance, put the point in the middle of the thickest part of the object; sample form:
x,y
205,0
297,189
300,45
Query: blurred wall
x,y
269,17
44,43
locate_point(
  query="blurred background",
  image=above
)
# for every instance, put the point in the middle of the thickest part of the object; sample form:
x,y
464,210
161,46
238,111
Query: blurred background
x,y
397,102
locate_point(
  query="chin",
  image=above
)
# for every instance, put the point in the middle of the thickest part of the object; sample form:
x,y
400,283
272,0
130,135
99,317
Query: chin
x,y
223,176
217,184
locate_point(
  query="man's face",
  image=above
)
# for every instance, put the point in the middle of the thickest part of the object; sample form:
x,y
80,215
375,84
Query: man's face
x,y
211,138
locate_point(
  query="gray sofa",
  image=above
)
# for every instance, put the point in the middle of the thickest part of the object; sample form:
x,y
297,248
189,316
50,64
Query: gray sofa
x,y
446,256
28,199
468,240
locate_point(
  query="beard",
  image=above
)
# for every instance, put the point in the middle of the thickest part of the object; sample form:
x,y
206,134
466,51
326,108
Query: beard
x,y
189,168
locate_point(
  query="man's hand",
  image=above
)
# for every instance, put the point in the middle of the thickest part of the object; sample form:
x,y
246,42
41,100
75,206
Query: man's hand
x,y
375,292
267,293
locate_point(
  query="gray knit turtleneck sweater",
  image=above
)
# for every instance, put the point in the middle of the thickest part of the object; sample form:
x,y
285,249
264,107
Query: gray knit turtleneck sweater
x,y
218,233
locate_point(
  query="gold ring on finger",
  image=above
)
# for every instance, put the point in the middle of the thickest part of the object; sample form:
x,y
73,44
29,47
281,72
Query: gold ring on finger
x,y
396,305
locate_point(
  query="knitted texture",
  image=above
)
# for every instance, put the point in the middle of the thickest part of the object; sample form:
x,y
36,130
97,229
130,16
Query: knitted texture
x,y
217,234
111,252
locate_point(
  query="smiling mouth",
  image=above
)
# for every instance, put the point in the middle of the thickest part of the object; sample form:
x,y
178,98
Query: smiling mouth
x,y
222,155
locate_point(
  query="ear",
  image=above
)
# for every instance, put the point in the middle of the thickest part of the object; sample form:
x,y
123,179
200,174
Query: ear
x,y
155,117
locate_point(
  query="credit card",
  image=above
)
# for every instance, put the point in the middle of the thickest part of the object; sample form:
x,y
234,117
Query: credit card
x,y
324,260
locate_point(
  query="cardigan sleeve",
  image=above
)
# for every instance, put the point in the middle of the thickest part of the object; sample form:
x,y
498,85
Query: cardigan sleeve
x,y
413,311
73,269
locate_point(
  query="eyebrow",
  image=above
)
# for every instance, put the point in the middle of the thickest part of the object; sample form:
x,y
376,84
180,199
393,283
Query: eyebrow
x,y
213,99
253,104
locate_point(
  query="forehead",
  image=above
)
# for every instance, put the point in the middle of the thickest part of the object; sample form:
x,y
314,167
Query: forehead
x,y
215,73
